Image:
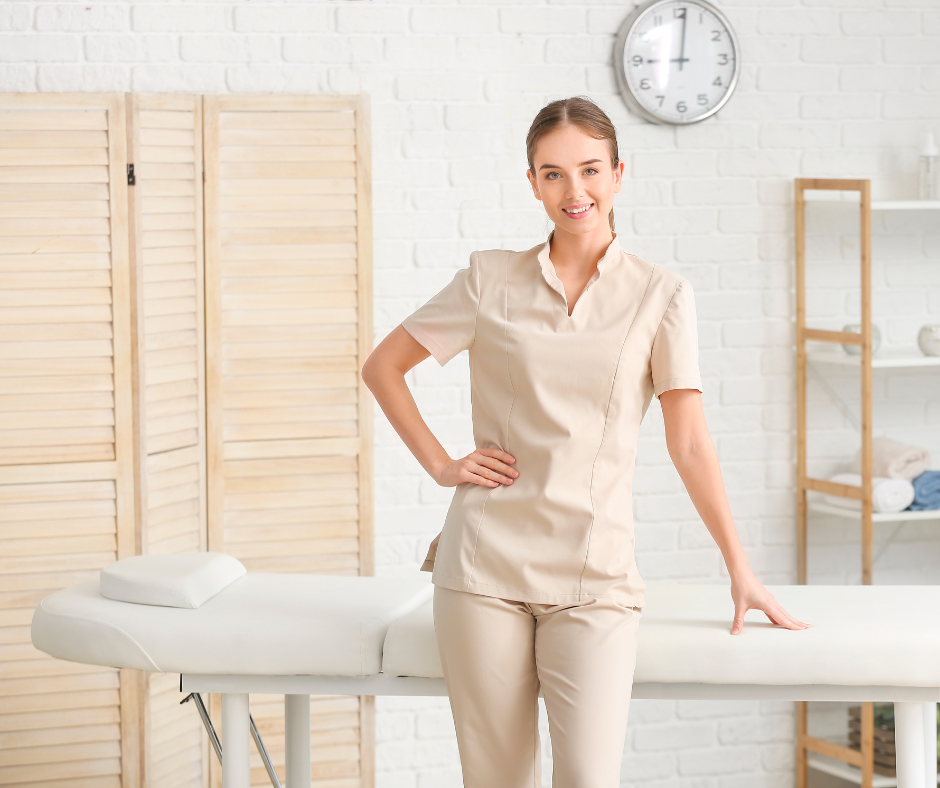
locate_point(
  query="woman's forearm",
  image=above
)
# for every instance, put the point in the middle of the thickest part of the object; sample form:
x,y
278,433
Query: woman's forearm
x,y
387,384
701,474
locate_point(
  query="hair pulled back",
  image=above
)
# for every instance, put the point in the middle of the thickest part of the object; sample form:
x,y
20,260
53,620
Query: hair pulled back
x,y
577,111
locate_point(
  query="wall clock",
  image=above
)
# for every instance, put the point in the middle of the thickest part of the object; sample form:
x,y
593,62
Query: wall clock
x,y
677,61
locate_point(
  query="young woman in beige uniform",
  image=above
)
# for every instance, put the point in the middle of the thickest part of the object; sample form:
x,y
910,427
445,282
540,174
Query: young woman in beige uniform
x,y
535,580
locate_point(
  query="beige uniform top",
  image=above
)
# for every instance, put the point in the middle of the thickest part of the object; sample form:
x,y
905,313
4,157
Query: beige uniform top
x,y
565,396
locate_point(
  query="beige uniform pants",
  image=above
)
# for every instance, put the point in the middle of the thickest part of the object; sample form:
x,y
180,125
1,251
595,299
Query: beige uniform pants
x,y
496,653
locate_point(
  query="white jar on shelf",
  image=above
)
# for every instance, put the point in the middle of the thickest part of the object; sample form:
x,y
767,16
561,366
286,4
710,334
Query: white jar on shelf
x,y
928,340
856,328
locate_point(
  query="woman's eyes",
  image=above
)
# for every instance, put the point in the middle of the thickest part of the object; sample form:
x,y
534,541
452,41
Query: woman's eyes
x,y
588,171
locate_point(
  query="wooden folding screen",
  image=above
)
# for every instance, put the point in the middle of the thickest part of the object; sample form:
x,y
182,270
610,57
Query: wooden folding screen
x,y
288,305
164,134
66,442
140,414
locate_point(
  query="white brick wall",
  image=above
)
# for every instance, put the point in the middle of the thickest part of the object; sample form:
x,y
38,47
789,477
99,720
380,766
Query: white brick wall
x,y
828,88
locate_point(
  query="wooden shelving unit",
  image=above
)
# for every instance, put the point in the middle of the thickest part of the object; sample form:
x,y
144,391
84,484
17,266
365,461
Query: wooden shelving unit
x,y
852,191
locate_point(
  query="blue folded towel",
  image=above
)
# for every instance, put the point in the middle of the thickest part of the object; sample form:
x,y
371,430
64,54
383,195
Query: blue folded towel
x,y
926,491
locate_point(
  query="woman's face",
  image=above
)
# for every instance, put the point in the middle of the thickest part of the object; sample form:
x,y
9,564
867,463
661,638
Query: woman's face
x,y
575,180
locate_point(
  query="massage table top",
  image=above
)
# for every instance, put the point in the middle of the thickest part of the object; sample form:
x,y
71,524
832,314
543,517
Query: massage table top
x,y
278,624
329,625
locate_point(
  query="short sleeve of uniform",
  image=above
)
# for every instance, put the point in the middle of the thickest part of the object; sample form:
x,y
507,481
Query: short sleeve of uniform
x,y
674,359
446,323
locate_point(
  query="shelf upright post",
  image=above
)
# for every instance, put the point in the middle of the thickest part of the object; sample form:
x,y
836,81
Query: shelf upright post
x,y
865,759
801,513
802,766
867,744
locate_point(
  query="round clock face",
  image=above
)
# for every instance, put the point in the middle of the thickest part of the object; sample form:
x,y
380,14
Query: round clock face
x,y
676,60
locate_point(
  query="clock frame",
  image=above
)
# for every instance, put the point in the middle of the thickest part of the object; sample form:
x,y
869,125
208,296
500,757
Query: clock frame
x,y
626,38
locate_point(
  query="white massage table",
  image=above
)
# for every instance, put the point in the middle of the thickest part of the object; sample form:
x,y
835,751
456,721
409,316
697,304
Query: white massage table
x,y
225,631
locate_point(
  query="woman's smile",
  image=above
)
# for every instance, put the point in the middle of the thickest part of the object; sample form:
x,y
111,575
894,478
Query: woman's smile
x,y
580,211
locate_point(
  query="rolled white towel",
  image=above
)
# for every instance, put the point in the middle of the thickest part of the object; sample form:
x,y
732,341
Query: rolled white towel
x,y
894,460
887,495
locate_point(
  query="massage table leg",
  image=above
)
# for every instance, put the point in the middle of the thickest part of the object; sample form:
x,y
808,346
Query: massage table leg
x,y
930,742
236,770
297,740
911,731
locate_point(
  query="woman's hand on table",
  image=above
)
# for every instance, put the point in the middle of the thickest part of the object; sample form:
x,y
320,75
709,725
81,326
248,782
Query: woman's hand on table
x,y
486,467
749,594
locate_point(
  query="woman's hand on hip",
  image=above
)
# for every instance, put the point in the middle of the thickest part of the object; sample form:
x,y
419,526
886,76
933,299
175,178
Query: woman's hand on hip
x,y
748,594
486,467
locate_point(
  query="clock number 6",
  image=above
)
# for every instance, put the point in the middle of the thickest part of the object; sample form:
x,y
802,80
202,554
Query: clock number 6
x,y
680,107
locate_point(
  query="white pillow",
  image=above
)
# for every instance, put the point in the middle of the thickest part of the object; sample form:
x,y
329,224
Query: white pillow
x,y
183,580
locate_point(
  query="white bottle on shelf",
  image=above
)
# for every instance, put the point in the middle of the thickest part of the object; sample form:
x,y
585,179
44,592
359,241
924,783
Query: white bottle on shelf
x,y
928,168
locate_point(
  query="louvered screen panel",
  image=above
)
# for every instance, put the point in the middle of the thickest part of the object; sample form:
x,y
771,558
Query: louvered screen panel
x,y
165,144
66,481
288,324
58,720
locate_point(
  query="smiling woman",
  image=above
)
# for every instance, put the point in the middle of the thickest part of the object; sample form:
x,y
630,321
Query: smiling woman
x,y
578,115
536,584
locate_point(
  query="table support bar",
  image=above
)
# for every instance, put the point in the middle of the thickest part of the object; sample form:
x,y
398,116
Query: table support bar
x,y
236,766
255,734
297,740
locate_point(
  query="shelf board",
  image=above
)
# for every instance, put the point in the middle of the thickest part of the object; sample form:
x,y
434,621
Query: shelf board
x,y
885,358
853,197
905,205
848,773
821,507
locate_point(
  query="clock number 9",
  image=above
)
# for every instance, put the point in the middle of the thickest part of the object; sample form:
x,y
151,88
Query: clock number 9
x,y
637,60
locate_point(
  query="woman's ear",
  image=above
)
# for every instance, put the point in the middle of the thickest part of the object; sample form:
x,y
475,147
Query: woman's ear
x,y
618,176
533,184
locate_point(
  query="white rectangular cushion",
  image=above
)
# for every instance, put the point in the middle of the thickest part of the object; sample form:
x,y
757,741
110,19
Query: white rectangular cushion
x,y
860,636
182,580
268,624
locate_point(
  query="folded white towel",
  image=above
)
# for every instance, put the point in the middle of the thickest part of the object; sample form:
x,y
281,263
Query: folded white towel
x,y
894,460
887,495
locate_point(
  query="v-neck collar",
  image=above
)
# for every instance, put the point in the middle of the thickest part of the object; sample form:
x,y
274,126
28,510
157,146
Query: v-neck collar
x,y
548,270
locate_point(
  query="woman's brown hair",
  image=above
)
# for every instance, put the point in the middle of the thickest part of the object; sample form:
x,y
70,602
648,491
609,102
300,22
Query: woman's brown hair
x,y
578,111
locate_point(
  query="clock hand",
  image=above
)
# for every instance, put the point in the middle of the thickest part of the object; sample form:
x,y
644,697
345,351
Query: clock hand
x,y
682,58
